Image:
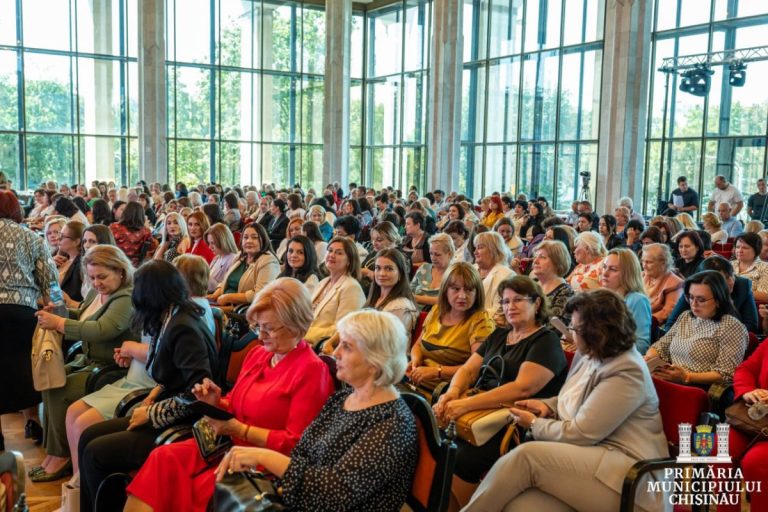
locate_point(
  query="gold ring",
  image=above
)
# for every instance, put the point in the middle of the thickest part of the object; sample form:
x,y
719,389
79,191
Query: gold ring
x,y
229,471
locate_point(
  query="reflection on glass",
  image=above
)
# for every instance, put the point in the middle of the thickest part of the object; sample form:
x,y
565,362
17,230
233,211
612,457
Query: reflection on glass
x,y
500,164
538,35
537,170
355,165
50,157
414,160
46,24
384,121
539,96
472,103
313,41
311,174
9,112
417,16
48,93
191,111
475,23
385,30
580,99
506,28
99,93
584,21
238,25
414,107
383,166
312,111
357,46
503,97
100,158
9,156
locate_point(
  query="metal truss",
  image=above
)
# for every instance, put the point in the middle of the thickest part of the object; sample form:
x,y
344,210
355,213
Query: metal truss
x,y
722,58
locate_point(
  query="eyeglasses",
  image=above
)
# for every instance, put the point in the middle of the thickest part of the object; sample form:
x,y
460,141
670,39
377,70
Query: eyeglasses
x,y
516,301
266,330
576,330
692,299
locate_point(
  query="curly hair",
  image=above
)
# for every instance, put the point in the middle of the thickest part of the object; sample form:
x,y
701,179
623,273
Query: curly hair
x,y
607,327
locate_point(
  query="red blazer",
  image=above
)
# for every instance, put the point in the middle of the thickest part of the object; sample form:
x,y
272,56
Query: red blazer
x,y
284,399
200,248
752,373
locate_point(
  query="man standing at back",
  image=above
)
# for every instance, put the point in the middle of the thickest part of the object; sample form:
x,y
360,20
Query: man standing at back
x,y
725,193
683,199
757,202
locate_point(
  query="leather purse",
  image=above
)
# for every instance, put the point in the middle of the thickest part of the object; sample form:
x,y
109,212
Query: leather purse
x,y
738,416
246,492
48,370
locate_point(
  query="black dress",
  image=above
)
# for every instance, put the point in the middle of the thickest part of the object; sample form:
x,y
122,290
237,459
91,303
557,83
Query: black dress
x,y
353,460
543,348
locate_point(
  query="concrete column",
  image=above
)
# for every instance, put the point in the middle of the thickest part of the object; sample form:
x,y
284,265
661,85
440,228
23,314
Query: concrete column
x,y
102,117
153,119
338,26
263,93
623,105
444,122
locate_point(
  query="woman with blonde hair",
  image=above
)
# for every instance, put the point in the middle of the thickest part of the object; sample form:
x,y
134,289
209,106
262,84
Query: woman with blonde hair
x,y
491,257
53,227
175,238
426,283
754,226
588,252
317,215
102,323
454,328
687,221
622,274
551,263
222,243
712,225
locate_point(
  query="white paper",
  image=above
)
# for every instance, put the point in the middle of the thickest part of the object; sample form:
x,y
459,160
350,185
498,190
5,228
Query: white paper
x,y
677,200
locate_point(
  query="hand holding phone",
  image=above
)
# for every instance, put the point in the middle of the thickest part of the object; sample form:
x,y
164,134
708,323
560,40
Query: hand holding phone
x,y
560,326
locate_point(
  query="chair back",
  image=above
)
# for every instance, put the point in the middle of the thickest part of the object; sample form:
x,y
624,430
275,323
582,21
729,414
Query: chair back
x,y
569,357
418,327
431,487
218,324
330,362
679,404
752,345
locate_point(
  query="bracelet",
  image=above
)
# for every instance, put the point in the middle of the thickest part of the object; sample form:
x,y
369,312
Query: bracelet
x,y
439,372
245,436
687,378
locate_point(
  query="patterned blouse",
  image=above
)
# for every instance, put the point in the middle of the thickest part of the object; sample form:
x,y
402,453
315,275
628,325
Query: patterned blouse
x,y
353,460
704,345
586,277
757,273
421,284
557,300
26,267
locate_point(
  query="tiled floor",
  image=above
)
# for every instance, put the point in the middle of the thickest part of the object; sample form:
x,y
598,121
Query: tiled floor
x,y
43,497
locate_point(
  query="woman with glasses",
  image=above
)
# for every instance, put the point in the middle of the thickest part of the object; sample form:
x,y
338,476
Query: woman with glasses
x,y
279,391
707,343
68,262
604,419
530,362
748,263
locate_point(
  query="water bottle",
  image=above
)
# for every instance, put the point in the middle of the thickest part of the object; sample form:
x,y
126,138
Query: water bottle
x,y
57,298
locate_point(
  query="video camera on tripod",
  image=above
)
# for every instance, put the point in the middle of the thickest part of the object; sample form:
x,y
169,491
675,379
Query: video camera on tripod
x,y
585,177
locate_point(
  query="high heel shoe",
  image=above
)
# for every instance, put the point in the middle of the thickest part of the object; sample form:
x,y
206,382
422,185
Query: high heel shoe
x,y
52,477
33,430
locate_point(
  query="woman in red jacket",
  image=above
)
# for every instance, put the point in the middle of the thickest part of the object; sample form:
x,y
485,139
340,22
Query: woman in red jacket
x,y
750,382
197,225
281,388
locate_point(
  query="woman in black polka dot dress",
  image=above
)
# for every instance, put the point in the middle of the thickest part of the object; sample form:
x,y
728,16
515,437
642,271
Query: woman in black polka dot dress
x,y
360,453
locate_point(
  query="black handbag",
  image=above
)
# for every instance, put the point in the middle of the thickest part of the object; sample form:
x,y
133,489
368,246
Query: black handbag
x,y
212,447
246,492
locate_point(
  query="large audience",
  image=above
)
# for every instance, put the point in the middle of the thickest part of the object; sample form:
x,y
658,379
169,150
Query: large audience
x,y
563,319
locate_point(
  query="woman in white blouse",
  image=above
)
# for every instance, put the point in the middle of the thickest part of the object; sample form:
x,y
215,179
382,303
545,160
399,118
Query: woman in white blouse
x,y
712,225
337,294
223,245
748,263
491,255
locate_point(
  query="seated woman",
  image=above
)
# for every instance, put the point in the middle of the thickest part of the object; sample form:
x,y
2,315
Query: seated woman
x,y
181,354
425,285
53,228
415,242
748,264
175,239
252,270
491,257
534,365
460,236
223,245
301,262
280,390
661,285
455,212
65,207
551,263
132,236
713,226
383,236
750,382
68,262
102,323
691,250
533,227
588,252
317,215
293,229
493,213
454,328
197,226
390,291
622,275
339,293
607,229
331,467
277,226
605,418
707,343
232,215
506,228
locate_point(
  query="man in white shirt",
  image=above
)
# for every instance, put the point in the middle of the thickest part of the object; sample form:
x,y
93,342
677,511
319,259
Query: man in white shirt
x,y
725,193
731,225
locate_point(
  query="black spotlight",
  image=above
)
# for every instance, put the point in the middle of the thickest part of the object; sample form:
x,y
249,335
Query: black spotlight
x,y
697,81
738,74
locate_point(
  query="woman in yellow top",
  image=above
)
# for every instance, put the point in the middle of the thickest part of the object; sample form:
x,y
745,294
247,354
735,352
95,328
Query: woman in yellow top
x,y
454,329
494,212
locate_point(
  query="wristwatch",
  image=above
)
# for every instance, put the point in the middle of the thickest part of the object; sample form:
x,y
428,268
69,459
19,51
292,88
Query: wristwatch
x,y
439,372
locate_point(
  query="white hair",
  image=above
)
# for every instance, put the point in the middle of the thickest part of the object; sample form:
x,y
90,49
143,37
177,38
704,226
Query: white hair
x,y
382,339
593,242
626,202
195,199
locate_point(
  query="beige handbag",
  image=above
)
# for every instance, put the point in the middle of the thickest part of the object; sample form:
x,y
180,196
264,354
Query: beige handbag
x,y
478,427
47,360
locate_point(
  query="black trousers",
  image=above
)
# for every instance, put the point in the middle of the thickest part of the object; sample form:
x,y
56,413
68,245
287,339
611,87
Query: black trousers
x,y
107,448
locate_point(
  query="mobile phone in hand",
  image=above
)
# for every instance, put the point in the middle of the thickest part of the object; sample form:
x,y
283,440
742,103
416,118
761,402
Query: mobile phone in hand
x,y
560,326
